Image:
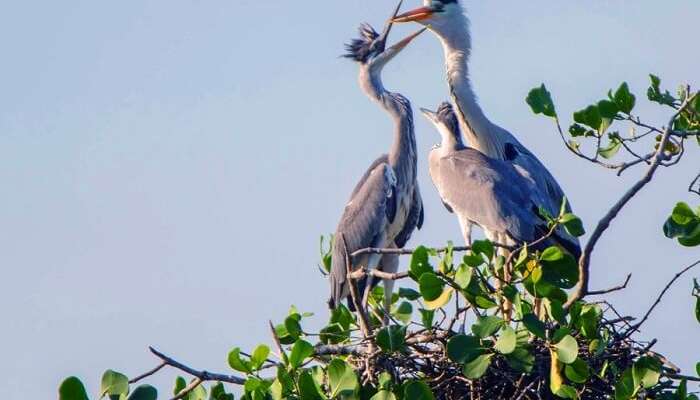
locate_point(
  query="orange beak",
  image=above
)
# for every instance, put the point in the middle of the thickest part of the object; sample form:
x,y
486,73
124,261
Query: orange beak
x,y
418,14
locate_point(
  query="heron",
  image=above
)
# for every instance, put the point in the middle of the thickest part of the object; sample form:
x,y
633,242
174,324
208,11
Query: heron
x,y
447,20
386,206
486,191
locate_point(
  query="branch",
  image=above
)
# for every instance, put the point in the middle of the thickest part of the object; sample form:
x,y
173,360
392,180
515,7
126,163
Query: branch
x,y
363,272
204,376
147,374
192,386
613,289
635,327
403,252
692,189
585,260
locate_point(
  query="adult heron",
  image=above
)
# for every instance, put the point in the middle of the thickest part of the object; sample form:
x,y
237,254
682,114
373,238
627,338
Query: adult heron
x,y
447,20
385,207
486,191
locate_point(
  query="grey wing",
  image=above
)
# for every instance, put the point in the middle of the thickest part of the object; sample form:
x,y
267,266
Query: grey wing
x,y
487,192
414,219
383,159
362,224
548,192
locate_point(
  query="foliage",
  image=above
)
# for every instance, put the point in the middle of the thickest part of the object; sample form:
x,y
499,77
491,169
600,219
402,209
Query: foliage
x,y
484,322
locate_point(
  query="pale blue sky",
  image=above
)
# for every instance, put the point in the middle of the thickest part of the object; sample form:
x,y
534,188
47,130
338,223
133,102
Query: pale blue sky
x,y
169,165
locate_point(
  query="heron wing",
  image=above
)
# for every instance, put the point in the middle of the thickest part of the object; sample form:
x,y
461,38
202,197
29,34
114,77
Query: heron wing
x,y
414,219
486,191
363,222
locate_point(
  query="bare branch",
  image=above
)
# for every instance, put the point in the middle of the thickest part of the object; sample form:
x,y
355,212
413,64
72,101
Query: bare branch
x,y
692,188
585,260
362,317
204,376
362,272
147,374
613,289
192,386
404,251
283,355
635,327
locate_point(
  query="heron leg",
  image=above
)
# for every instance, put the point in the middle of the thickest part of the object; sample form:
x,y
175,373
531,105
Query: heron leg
x,y
390,264
466,227
372,263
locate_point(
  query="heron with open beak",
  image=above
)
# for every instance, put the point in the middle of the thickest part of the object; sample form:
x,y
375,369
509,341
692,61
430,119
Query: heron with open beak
x,y
385,207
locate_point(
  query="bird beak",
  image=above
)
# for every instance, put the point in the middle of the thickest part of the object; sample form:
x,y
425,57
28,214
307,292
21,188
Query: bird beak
x,y
419,14
430,115
403,43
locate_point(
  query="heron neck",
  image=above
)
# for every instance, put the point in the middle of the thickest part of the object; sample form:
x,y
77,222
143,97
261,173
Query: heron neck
x,y
476,127
402,154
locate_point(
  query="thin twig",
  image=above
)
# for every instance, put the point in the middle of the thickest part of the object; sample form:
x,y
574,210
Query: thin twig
x,y
613,289
404,251
636,327
187,389
283,355
147,374
362,317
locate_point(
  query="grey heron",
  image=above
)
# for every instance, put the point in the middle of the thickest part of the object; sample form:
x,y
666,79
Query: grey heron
x,y
447,20
486,191
385,207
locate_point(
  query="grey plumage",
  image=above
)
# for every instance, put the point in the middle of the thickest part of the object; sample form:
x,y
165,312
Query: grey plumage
x,y
385,206
485,191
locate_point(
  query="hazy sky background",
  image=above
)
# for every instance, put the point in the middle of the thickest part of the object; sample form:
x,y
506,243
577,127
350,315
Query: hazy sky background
x,y
168,166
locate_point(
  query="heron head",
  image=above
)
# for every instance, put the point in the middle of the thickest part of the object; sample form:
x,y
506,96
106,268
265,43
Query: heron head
x,y
445,121
370,48
437,15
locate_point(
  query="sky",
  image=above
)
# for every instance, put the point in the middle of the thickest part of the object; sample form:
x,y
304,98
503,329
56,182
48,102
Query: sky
x,y
169,166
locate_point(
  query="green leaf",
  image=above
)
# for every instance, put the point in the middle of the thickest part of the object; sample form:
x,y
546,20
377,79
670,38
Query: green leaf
x,y
697,368
409,294
589,320
72,389
236,362
464,348
572,224
217,392
198,393
342,316
145,392
567,392
259,356
417,390
577,130
612,148
535,326
589,116
608,109
333,334
427,317
391,338
430,286
506,342
567,349
341,378
487,326
577,371
403,312
180,383
625,388
293,326
114,384
654,92
463,276
383,395
647,371
308,388
540,101
624,99
420,263
473,260
477,368
521,360
300,352
558,268
484,247
440,301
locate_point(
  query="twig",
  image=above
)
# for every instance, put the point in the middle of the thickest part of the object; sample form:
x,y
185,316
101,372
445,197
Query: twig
x,y
635,327
692,189
585,260
404,251
192,386
149,373
681,377
202,375
283,355
363,272
613,289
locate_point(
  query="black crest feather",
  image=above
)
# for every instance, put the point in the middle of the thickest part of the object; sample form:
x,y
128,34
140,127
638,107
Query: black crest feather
x,y
360,49
447,116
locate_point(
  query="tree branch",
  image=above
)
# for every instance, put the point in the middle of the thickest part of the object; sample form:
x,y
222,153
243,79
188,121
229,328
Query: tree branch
x,y
585,260
613,289
362,317
204,376
147,374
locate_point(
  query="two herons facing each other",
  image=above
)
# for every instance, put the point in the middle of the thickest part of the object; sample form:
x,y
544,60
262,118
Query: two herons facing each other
x,y
495,183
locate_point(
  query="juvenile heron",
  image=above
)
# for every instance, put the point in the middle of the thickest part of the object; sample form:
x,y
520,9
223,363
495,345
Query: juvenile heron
x,y
447,20
385,207
486,191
